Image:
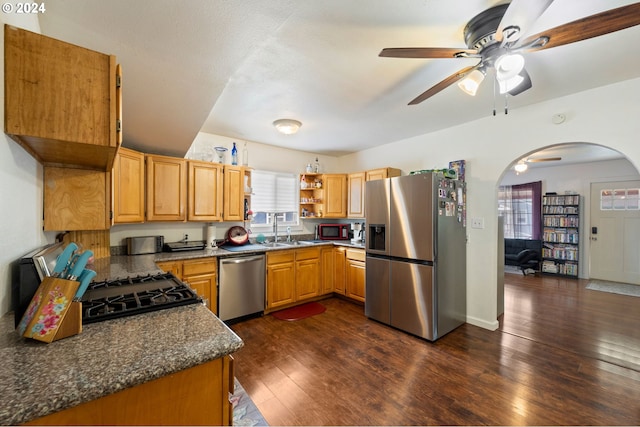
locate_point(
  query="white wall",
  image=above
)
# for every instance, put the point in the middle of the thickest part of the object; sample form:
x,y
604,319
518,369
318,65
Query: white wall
x,y
606,116
20,189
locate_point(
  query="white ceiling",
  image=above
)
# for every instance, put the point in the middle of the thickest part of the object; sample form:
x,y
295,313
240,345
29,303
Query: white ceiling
x,y
232,67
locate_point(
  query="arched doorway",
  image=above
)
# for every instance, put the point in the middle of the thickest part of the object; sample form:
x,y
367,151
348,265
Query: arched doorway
x,y
574,177
581,165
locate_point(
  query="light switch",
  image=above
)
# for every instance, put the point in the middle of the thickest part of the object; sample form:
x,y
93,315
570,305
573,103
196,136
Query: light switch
x,y
477,222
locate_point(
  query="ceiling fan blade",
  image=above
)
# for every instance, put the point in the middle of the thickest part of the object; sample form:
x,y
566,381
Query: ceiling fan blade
x,y
458,75
544,159
596,25
519,17
428,52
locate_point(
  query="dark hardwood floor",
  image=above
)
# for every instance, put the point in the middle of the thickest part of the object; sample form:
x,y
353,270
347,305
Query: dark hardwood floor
x,y
563,355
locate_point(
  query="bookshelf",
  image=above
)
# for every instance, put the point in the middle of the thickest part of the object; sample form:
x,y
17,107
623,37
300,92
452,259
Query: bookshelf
x,y
560,234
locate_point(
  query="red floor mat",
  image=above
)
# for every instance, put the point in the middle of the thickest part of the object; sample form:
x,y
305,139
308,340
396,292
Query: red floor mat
x,y
300,312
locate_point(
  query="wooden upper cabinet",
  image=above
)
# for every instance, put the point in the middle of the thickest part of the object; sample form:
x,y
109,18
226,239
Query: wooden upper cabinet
x,y
128,187
76,199
355,185
205,190
382,173
335,195
166,188
62,101
233,193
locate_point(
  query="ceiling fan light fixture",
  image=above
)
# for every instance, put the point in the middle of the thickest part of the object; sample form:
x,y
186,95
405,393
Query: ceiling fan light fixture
x,y
508,66
471,83
510,84
287,126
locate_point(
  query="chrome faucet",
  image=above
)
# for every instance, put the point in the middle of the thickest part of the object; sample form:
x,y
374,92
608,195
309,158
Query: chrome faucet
x,y
275,227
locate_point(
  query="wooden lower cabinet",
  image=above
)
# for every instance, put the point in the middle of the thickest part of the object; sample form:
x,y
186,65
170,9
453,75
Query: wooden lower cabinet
x,y
355,274
281,279
200,274
339,269
307,273
174,267
194,396
293,276
326,266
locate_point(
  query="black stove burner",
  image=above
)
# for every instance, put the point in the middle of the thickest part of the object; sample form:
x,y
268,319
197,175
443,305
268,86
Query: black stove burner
x,y
125,297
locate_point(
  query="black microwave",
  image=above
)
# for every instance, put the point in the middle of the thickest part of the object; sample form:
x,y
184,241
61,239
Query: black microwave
x,y
333,231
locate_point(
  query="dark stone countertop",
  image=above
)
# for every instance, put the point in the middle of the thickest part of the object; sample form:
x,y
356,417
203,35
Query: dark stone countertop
x,y
38,379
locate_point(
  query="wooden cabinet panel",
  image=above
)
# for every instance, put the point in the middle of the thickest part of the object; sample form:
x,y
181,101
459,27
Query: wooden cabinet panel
x,y
327,267
355,278
200,266
200,274
166,188
61,102
128,187
174,267
233,193
355,184
335,195
307,273
382,173
339,268
281,276
204,191
355,254
206,287
203,392
76,199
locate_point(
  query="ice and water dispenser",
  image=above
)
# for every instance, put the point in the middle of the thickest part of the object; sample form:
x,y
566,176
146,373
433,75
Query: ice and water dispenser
x,y
376,237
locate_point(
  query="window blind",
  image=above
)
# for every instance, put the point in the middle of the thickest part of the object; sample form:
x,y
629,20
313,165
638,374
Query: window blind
x,y
274,192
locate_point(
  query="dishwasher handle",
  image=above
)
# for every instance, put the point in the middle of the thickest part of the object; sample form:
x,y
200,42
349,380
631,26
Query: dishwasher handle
x,y
241,260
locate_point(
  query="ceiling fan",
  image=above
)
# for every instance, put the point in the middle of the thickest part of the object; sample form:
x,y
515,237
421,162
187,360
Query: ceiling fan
x,y
495,37
523,164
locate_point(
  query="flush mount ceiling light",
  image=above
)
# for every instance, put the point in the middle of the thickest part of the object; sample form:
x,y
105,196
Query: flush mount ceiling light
x,y
521,166
470,84
287,126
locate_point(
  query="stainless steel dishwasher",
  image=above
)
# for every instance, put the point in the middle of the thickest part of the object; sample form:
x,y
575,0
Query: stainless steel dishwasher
x,y
241,286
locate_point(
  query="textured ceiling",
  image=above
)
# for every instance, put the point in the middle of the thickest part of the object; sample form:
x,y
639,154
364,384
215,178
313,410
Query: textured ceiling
x,y
232,67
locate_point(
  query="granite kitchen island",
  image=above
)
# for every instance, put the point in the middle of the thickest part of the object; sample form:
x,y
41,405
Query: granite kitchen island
x,y
170,366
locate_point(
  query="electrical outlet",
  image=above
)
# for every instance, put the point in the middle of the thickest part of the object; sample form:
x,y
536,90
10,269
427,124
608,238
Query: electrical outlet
x,y
477,222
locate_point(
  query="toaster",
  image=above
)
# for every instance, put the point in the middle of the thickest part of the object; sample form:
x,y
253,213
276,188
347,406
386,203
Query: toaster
x,y
144,245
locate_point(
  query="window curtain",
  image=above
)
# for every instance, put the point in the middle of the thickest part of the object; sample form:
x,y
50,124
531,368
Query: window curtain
x,y
521,207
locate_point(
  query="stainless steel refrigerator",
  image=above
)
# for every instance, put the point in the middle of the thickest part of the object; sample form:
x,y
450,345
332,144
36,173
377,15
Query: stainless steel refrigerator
x,y
416,253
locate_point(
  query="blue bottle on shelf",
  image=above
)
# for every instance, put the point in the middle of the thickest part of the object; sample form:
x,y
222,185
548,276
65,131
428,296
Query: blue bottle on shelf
x,y
234,155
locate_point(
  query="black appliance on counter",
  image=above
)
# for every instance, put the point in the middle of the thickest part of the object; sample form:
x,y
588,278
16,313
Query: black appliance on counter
x,y
112,299
191,245
32,268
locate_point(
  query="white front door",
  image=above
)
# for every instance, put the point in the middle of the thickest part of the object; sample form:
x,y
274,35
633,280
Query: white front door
x,y
615,232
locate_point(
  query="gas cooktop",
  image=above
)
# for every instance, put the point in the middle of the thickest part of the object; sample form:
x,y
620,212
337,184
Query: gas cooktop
x,y
126,297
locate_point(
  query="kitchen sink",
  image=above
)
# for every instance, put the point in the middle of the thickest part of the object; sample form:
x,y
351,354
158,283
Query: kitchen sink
x,y
279,244
310,242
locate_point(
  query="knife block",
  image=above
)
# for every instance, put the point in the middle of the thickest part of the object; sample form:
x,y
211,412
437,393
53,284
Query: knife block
x,y
52,314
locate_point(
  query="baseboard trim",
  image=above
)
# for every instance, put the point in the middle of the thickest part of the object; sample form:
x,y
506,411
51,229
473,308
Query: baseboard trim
x,y
492,326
